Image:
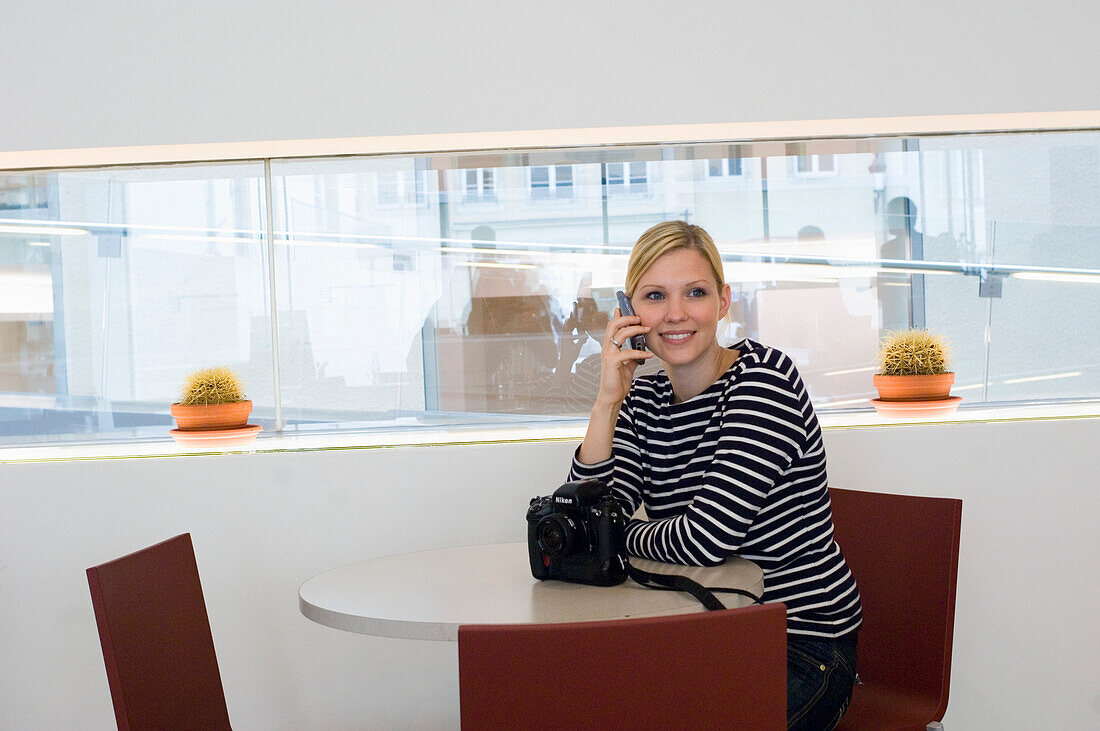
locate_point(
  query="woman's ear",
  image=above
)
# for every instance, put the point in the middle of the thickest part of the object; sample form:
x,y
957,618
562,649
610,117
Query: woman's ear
x,y
725,299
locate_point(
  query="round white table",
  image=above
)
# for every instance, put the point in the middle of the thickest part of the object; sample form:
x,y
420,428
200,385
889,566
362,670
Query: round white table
x,y
427,595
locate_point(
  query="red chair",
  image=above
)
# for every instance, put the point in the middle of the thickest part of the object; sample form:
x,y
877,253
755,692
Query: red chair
x,y
156,639
904,552
724,669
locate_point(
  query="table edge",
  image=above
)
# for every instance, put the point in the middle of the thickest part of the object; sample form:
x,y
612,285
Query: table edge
x,y
443,631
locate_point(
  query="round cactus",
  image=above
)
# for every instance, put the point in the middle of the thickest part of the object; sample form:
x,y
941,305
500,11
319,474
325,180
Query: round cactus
x,y
913,353
212,386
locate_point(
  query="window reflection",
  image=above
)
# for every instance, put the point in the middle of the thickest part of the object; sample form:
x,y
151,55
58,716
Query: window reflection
x,y
110,291
474,288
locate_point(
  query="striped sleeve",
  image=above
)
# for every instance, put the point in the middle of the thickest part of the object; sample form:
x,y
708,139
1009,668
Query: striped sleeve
x,y
762,432
623,471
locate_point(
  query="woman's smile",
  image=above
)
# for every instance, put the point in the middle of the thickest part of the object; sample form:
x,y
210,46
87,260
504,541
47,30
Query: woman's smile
x,y
676,337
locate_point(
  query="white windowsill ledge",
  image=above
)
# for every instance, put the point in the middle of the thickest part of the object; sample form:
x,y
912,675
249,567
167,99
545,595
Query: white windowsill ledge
x,y
365,439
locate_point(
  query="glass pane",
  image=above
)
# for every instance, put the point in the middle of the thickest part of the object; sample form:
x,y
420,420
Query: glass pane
x,y
351,274
433,289
540,182
615,173
389,188
24,192
564,183
1045,343
114,284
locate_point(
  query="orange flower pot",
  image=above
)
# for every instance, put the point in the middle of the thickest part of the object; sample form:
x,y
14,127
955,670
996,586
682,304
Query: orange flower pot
x,y
914,388
200,417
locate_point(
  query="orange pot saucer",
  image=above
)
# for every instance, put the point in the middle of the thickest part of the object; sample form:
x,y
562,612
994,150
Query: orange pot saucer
x,y
916,409
217,437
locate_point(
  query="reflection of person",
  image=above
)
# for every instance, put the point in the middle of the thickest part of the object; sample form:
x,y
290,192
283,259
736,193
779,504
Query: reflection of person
x,y
810,233
724,451
512,327
574,392
905,241
491,337
571,392
902,306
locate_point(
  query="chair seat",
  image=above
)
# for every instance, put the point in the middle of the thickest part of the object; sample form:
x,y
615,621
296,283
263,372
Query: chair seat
x,y
886,709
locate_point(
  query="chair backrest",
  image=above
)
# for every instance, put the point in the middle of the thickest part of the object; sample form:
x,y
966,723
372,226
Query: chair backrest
x,y
904,553
156,639
723,669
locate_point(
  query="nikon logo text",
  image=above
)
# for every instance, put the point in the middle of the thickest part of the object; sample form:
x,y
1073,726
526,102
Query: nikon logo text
x,y
567,500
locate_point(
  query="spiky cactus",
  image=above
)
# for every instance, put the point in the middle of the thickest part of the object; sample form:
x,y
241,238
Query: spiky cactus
x,y
913,353
212,386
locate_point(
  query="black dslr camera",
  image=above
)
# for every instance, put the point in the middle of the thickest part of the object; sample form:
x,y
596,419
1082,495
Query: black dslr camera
x,y
578,534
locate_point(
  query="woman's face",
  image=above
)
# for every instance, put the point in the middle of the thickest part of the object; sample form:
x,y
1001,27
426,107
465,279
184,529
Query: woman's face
x,y
678,298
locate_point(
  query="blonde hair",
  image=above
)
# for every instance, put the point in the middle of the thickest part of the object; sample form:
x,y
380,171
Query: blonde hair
x,y
669,236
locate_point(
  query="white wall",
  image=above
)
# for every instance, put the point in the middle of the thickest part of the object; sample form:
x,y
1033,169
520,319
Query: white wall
x,y
1026,639
139,72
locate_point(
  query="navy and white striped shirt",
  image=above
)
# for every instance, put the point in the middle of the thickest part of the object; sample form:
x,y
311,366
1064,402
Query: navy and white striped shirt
x,y
737,470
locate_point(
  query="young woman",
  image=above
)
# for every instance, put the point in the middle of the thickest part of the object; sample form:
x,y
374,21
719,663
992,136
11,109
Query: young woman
x,y
724,451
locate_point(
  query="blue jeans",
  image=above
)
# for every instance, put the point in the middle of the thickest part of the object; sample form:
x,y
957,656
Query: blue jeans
x,y
820,676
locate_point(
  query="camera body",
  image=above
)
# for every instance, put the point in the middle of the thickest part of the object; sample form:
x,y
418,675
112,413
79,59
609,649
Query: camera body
x,y
578,534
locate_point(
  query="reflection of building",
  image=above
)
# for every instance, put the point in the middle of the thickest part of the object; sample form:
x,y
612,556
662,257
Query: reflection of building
x,y
375,248
26,356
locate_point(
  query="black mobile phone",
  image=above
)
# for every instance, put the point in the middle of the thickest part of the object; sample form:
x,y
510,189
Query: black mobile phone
x,y
637,342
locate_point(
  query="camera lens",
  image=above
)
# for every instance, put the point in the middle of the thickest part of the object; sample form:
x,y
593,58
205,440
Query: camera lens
x,y
556,535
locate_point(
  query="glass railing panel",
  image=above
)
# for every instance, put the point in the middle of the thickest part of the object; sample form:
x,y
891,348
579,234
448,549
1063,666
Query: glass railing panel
x,y
473,288
123,281
1039,189
829,245
356,265
1045,330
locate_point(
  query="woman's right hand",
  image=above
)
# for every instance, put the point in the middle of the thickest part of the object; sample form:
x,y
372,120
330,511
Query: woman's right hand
x,y
616,371
617,365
